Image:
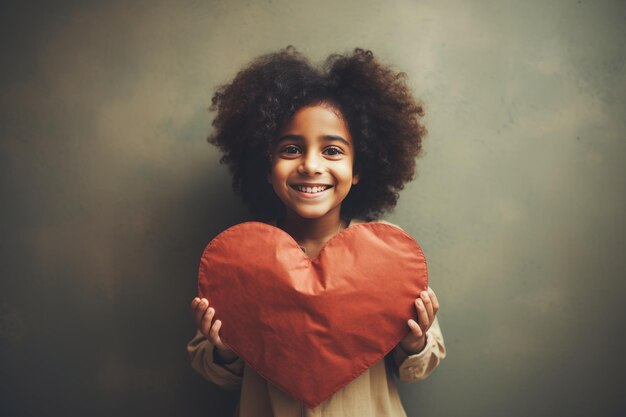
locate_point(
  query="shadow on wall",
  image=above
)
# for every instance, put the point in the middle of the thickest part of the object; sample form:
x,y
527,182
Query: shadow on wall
x,y
222,210
98,321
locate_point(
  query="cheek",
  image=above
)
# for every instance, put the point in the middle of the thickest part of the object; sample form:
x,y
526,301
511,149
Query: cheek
x,y
278,175
344,174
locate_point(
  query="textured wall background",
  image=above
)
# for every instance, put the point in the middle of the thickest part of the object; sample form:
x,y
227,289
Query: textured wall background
x,y
110,192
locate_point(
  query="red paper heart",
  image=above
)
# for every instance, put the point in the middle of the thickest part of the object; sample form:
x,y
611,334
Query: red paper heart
x,y
312,326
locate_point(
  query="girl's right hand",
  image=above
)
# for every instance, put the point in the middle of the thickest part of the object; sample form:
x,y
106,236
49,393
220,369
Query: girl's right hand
x,y
203,314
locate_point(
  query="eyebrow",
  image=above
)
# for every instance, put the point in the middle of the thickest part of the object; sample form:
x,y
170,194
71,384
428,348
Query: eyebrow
x,y
326,138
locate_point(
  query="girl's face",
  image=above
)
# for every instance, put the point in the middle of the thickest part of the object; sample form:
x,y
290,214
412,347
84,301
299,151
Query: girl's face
x,y
312,162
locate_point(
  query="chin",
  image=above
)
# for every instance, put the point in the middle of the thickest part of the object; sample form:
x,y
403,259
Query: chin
x,y
311,213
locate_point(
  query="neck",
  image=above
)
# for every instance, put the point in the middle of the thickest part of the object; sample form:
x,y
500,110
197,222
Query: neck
x,y
305,230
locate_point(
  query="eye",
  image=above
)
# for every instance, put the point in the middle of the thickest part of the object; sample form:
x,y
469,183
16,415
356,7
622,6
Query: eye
x,y
333,151
290,149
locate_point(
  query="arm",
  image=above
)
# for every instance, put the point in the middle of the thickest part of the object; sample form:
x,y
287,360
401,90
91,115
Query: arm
x,y
209,355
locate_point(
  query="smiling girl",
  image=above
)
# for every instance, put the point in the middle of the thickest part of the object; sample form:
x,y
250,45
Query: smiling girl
x,y
314,151
312,174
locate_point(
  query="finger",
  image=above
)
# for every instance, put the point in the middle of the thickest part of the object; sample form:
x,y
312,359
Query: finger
x,y
416,330
429,306
194,304
214,335
200,311
422,314
434,300
205,326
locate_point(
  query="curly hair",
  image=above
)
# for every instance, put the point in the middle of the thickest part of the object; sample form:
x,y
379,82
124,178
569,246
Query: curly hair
x,y
382,116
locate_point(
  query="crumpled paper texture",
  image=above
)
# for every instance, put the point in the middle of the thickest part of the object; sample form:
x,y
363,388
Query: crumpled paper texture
x,y
310,326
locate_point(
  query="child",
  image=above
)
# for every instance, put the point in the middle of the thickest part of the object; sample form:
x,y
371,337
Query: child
x,y
313,152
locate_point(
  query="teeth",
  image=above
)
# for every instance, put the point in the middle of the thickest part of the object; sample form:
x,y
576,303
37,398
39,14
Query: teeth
x,y
311,190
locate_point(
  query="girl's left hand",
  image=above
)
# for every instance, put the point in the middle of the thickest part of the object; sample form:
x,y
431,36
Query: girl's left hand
x,y
426,306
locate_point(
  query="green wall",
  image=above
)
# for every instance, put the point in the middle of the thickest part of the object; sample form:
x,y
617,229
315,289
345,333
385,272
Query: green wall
x,y
110,192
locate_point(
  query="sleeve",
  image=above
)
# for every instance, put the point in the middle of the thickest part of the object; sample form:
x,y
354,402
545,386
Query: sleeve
x,y
227,376
415,367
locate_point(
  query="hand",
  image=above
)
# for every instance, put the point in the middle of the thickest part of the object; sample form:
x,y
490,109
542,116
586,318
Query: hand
x,y
426,306
203,314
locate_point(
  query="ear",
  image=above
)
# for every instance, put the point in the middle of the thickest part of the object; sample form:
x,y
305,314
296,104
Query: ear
x,y
355,179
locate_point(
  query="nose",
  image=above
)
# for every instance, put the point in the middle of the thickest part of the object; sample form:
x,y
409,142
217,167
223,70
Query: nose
x,y
310,165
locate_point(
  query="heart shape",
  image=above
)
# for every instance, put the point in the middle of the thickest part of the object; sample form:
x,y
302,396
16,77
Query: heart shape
x,y
312,326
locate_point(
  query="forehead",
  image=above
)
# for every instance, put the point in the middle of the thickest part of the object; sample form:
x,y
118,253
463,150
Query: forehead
x,y
318,119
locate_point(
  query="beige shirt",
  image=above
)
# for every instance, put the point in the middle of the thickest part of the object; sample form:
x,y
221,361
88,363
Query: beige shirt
x,y
372,394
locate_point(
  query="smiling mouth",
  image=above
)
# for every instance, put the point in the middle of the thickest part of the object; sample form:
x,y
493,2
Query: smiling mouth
x,y
310,190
